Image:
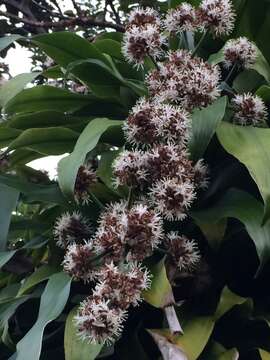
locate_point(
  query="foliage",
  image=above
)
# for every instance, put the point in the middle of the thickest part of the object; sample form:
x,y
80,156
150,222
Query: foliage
x,y
223,306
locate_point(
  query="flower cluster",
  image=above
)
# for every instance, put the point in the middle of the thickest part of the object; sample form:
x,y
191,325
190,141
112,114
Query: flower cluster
x,y
182,18
240,52
249,110
217,16
184,80
86,177
143,36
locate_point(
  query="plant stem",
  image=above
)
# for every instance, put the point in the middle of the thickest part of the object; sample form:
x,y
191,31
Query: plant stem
x,y
173,321
154,62
130,198
97,201
230,73
199,43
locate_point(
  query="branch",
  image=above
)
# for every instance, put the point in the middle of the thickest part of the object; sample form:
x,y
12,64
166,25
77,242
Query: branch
x,y
115,13
69,22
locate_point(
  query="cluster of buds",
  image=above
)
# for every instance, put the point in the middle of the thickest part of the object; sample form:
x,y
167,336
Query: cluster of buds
x,y
240,52
249,110
86,177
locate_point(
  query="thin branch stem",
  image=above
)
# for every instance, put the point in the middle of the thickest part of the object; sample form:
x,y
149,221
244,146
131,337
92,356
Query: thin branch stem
x,y
230,73
130,197
97,201
68,22
154,62
115,13
173,321
200,43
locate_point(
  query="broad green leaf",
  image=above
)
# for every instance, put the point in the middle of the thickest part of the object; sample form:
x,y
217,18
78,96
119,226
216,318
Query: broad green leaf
x,y
47,141
7,135
52,303
160,293
34,192
5,256
105,172
232,354
7,40
264,354
75,348
12,87
227,301
35,243
264,93
44,97
197,332
251,146
204,125
9,197
41,274
242,206
23,156
68,166
110,47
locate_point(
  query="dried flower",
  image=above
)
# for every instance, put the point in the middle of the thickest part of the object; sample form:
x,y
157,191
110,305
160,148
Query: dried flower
x,y
122,286
143,16
86,177
189,82
77,261
97,322
172,197
249,110
201,173
184,253
130,169
144,232
71,228
217,16
241,52
140,42
182,18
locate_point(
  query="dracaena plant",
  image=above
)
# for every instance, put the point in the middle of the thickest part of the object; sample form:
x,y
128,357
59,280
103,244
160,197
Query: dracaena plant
x,y
154,238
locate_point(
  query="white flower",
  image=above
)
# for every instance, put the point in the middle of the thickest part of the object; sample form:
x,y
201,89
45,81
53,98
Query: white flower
x,y
151,123
122,286
140,42
77,261
201,173
241,52
96,322
216,15
189,82
86,177
70,228
172,198
144,232
184,253
143,16
180,19
249,110
130,169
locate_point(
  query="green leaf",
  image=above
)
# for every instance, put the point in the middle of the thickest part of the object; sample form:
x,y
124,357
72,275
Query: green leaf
x,y
7,40
242,206
110,47
46,97
251,146
41,274
9,198
75,348
14,86
160,293
34,192
264,93
229,355
227,301
68,166
264,354
47,141
42,119
5,256
204,125
52,303
7,135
